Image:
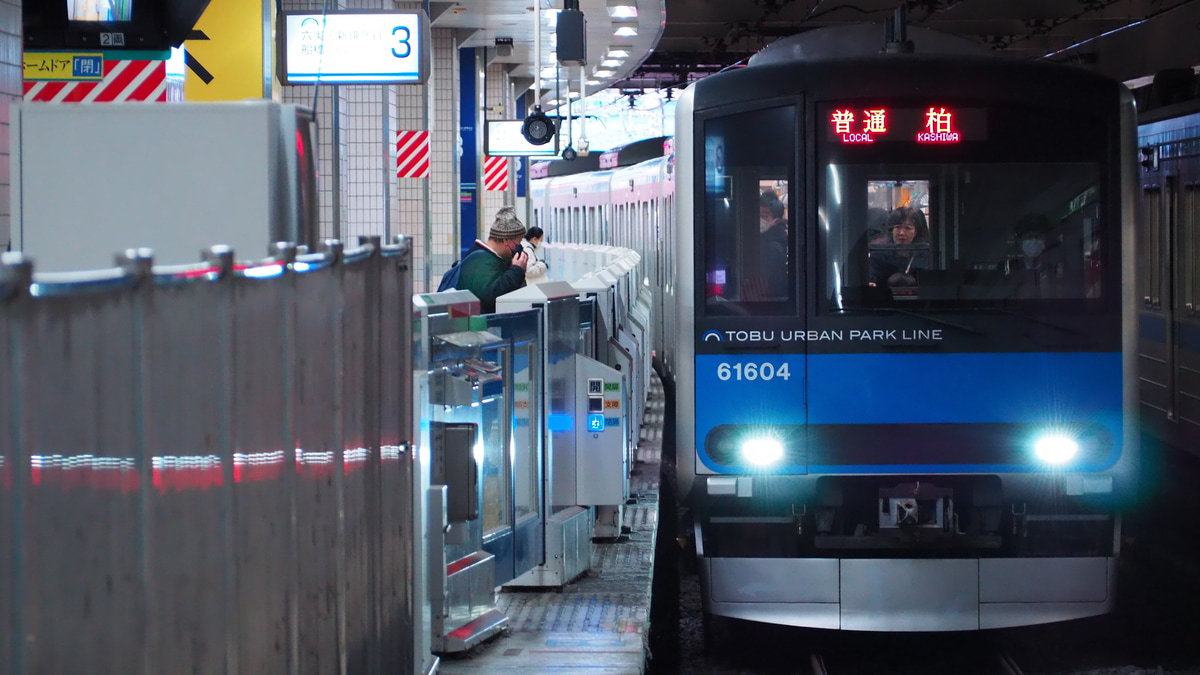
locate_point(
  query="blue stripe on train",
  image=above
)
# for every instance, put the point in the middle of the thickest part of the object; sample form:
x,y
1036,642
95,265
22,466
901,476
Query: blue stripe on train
x,y
1154,329
925,388
1039,388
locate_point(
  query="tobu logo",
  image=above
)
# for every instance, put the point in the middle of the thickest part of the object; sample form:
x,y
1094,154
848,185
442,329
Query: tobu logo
x,y
711,335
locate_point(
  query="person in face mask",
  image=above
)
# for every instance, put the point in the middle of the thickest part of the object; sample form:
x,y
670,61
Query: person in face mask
x,y
1031,275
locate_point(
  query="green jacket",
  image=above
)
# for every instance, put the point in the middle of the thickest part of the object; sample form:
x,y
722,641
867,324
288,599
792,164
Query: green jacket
x,y
489,276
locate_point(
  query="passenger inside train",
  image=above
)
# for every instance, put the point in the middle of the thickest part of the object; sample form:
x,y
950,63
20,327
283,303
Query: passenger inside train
x,y
773,248
1037,271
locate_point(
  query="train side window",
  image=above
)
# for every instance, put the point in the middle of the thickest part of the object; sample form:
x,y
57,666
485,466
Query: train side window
x,y
1189,239
1148,246
750,229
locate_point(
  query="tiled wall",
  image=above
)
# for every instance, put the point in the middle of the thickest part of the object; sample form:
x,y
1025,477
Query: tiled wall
x,y
497,88
10,90
372,199
444,213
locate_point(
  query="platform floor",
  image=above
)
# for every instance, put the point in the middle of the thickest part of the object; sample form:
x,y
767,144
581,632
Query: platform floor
x,y
600,623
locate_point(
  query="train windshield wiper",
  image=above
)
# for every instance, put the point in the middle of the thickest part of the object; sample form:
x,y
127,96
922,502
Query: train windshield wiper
x,y
1026,317
920,315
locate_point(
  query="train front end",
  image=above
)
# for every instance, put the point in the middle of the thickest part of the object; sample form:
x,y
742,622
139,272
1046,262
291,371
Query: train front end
x,y
905,286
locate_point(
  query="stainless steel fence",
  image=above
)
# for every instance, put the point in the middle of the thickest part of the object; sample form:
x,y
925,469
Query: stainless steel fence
x,y
209,469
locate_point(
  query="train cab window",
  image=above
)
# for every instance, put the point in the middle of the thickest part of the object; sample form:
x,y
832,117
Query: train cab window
x,y
981,222
750,226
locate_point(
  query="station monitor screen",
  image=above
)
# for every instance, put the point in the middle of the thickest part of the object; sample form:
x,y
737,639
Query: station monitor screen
x,y
99,10
111,25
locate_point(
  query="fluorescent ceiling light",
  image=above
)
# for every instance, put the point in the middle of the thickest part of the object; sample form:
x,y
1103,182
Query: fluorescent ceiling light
x,y
625,28
622,9
610,63
620,51
594,82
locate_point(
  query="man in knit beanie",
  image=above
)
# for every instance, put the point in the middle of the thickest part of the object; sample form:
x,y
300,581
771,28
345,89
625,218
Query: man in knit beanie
x,y
502,269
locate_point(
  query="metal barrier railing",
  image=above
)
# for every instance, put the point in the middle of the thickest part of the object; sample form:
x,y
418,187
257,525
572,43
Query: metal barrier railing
x,y
209,469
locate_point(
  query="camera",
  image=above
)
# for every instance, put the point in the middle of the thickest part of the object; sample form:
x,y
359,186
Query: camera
x,y
538,129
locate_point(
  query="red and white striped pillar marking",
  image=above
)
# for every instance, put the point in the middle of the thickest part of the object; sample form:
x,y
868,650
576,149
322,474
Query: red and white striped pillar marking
x,y
123,81
412,154
495,173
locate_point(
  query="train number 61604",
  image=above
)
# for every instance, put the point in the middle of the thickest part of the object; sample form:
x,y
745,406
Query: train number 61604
x,y
752,371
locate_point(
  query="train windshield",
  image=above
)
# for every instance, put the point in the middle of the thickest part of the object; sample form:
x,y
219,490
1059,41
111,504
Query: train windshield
x,y
750,214
998,207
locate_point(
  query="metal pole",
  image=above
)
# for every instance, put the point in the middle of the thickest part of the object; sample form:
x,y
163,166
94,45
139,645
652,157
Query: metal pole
x,y
388,170
336,161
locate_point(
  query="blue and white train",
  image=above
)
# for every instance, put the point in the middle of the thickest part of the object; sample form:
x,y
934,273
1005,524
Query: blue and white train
x,y
881,428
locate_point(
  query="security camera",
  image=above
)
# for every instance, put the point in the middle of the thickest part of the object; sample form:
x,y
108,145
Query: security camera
x,y
582,145
569,154
538,129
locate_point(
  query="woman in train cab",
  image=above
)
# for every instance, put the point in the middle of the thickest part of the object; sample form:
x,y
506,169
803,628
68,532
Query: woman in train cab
x,y
535,272
894,265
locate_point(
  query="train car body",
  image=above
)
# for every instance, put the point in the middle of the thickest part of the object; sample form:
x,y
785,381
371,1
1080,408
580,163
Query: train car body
x,y
626,200
881,431
1169,276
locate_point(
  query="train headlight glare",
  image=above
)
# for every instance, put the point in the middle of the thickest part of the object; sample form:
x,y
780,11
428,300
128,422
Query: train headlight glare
x,y
762,451
1055,449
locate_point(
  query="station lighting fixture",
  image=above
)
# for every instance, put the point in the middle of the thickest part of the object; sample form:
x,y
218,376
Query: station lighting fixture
x,y
1055,449
622,9
625,28
619,51
611,63
604,72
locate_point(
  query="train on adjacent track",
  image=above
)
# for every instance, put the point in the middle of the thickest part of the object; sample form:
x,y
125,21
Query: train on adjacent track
x,y
895,297
1168,289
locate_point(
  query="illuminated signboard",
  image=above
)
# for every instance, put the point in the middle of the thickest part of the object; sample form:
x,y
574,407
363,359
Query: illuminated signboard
x,y
354,47
938,124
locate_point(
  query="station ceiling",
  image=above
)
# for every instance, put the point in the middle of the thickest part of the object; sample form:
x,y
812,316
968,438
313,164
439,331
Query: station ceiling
x,y
678,41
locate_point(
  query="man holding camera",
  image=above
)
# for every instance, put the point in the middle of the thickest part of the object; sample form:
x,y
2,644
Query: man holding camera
x,y
503,271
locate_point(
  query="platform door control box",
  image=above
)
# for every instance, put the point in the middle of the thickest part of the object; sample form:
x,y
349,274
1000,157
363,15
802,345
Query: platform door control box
x,y
601,468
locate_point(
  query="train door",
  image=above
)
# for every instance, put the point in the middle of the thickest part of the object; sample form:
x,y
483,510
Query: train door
x,y
1153,366
1187,309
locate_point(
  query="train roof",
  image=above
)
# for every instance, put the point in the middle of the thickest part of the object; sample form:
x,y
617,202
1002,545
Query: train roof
x,y
625,155
866,39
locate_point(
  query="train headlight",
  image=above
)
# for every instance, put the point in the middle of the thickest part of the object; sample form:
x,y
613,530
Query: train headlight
x,y
762,451
1055,449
